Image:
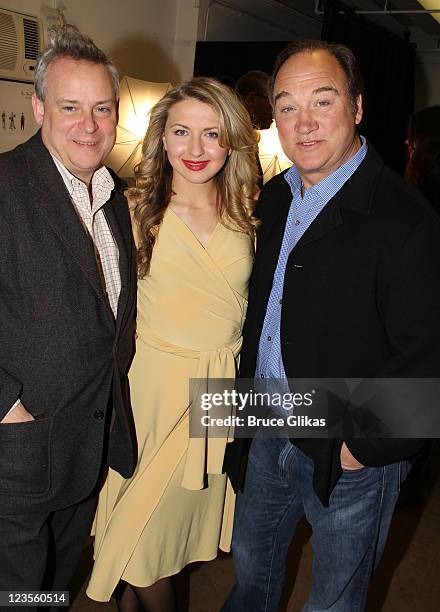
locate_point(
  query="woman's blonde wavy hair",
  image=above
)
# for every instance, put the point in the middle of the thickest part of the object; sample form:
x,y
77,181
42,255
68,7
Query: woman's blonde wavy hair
x,y
236,181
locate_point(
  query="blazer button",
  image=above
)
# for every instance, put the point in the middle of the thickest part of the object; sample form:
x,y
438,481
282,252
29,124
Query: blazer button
x,y
98,415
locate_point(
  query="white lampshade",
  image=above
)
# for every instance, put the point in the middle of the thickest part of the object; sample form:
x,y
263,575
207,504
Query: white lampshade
x,y
272,157
136,100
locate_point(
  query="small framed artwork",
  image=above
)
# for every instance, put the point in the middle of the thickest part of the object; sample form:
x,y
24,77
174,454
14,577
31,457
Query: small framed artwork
x,y
17,122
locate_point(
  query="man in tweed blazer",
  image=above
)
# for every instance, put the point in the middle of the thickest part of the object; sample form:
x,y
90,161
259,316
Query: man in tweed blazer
x,y
68,282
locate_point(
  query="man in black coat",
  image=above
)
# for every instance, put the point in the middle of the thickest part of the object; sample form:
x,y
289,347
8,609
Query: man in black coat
x,y
345,285
68,290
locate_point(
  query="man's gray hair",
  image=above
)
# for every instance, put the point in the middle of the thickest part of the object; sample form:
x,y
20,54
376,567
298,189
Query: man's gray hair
x,y
71,44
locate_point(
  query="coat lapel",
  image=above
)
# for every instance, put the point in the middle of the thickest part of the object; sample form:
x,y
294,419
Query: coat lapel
x,y
355,194
111,212
272,209
328,219
50,195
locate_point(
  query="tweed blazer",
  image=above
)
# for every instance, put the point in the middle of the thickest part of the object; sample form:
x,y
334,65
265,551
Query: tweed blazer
x,y
61,350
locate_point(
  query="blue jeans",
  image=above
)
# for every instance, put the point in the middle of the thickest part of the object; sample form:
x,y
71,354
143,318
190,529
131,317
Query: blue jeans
x,y
348,537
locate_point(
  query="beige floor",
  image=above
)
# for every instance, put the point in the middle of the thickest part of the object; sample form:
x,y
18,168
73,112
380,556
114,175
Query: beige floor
x,y
407,580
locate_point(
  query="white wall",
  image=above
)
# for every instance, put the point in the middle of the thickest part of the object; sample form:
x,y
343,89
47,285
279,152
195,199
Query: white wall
x,y
139,35
152,40
185,36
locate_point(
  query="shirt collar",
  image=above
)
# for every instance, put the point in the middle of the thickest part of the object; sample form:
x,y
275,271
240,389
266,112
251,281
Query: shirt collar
x,y
330,185
101,178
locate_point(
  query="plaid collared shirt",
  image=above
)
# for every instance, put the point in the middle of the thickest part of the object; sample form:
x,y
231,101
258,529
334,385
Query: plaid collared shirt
x,y
94,221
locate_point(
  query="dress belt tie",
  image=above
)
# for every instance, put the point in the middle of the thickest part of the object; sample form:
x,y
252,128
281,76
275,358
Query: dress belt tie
x,y
205,454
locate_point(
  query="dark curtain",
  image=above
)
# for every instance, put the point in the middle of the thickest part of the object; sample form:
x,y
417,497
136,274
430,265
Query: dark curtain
x,y
387,65
228,61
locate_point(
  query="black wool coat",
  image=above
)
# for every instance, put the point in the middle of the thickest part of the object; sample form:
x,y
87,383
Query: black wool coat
x,y
61,350
361,298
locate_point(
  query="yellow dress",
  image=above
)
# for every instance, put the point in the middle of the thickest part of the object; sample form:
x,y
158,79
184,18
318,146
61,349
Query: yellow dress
x,y
191,309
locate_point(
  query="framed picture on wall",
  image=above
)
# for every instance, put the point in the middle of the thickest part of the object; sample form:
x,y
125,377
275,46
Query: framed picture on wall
x,y
16,117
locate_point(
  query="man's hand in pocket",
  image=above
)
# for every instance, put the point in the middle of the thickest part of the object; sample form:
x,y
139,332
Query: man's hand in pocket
x,y
348,462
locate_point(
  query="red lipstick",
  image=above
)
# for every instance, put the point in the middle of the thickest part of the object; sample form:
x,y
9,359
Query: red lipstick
x,y
195,166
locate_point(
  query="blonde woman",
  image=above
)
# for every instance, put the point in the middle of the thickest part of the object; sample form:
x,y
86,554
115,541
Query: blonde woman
x,y
191,208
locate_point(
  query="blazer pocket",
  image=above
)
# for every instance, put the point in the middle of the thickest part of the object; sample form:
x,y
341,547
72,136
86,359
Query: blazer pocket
x,y
25,457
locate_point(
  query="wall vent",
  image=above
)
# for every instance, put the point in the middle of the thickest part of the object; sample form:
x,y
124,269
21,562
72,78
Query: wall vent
x,y
20,44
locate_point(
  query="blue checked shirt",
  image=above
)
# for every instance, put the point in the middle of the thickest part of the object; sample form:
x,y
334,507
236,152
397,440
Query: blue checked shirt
x,y
302,213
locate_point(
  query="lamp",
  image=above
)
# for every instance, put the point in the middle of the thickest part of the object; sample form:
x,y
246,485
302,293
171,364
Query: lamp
x,y
272,157
136,100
